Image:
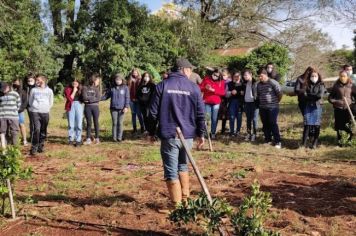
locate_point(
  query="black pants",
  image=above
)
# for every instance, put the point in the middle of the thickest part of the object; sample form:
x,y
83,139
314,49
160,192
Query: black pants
x,y
145,111
31,123
89,112
269,118
40,124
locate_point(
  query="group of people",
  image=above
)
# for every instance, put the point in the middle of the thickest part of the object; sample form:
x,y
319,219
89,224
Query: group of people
x,y
225,95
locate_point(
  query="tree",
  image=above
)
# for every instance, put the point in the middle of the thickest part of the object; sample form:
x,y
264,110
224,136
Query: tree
x,y
255,19
307,46
22,44
123,35
338,58
68,25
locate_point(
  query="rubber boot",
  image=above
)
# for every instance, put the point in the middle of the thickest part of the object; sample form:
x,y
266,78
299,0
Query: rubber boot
x,y
305,135
184,182
316,137
175,194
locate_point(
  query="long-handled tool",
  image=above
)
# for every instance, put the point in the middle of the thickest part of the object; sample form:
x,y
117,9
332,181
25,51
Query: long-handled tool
x,y
349,109
197,172
12,205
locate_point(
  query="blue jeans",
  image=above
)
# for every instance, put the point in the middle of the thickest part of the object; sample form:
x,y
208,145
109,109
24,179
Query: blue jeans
x,y
251,117
269,118
174,157
212,112
117,117
235,113
135,111
75,122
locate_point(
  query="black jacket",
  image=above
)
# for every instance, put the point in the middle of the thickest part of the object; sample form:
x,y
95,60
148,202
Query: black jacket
x,y
314,93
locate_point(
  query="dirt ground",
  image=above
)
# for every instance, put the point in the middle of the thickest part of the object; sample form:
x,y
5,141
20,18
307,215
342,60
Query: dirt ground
x,y
116,188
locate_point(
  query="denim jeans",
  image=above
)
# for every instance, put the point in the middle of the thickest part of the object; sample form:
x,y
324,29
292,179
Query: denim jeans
x,y
251,117
212,112
135,111
269,118
174,157
75,122
117,117
235,113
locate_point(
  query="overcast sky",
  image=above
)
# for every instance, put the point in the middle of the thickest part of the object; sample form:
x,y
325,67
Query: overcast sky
x,y
340,34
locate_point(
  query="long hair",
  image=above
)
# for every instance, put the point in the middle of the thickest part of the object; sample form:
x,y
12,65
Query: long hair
x,y
308,81
93,78
349,81
250,72
143,76
307,73
118,76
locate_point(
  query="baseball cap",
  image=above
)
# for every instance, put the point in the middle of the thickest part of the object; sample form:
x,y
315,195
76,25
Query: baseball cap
x,y
184,63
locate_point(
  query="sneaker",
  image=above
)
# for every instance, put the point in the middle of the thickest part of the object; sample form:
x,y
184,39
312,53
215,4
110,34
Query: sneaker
x,y
40,148
78,144
213,136
97,141
25,143
33,151
248,137
278,145
88,141
253,138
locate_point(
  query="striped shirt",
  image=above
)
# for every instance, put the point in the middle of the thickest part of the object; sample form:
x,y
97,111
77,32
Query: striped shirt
x,y
268,93
9,105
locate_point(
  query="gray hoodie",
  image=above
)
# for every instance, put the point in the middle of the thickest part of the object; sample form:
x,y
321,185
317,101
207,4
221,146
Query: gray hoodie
x,y
41,100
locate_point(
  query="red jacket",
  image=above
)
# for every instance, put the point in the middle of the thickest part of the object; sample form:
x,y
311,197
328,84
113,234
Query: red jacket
x,y
67,92
209,97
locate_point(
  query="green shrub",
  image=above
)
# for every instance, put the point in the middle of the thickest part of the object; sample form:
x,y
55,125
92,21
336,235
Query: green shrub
x,y
247,221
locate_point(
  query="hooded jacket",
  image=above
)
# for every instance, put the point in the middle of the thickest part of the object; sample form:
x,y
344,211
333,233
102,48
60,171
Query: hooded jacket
x,y
177,102
209,97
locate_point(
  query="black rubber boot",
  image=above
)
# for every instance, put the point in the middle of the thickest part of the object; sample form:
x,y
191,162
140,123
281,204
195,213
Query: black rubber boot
x,y
305,135
316,137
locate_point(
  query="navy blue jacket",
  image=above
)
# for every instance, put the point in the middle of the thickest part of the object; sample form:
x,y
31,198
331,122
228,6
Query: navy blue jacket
x,y
120,97
177,102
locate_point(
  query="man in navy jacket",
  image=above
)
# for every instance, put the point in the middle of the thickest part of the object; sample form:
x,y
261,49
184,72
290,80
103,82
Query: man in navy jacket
x,y
177,102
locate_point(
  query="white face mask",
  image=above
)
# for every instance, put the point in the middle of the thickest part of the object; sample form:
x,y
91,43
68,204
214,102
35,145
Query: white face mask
x,y
31,83
269,70
314,79
146,79
349,72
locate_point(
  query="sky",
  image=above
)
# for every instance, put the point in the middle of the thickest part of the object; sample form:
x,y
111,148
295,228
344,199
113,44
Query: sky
x,y
340,34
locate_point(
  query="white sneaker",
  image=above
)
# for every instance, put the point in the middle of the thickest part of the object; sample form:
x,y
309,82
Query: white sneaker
x,y
97,141
278,145
25,143
87,142
248,137
253,138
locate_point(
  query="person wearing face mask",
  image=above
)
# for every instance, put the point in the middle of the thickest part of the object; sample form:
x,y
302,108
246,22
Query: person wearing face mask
x,y
74,110
343,87
40,101
29,83
119,104
314,91
272,73
223,110
177,102
133,82
91,98
235,94
144,95
268,96
213,89
350,73
16,86
10,103
250,105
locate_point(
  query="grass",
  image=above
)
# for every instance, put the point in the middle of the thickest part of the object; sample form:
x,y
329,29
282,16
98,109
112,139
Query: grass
x,y
130,168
